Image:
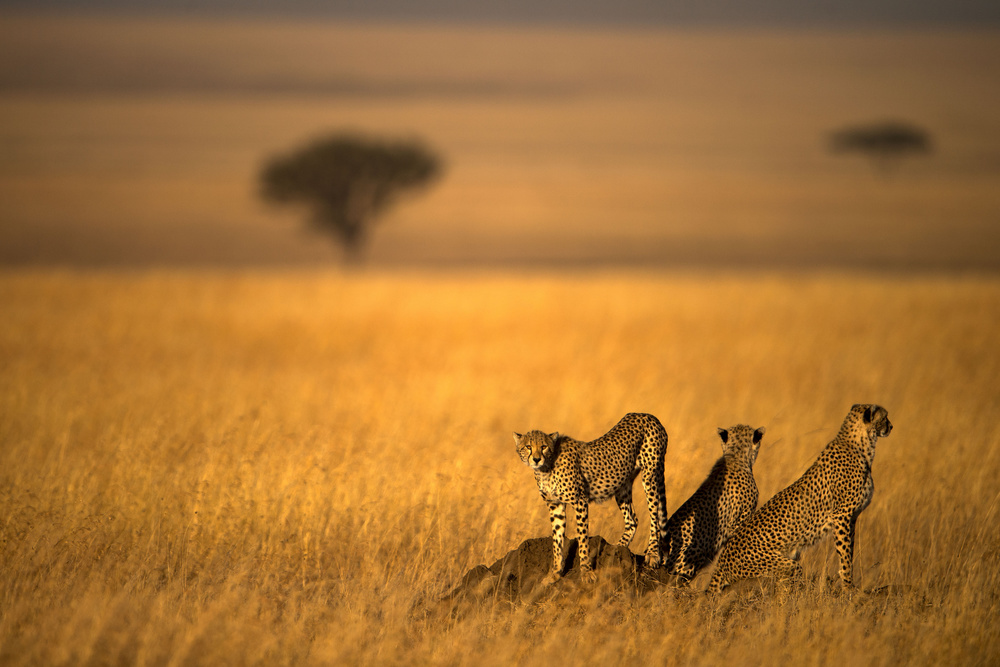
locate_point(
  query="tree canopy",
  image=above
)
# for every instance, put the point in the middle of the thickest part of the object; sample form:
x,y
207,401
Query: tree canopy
x,y
347,181
884,142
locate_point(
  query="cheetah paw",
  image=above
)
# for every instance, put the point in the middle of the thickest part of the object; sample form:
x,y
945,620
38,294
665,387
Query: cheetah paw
x,y
589,576
551,578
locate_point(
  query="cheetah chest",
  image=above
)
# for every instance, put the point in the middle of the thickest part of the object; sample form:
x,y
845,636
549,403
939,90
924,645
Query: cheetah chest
x,y
550,488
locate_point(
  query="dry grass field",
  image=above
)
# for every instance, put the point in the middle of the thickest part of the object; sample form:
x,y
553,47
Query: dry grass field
x,y
290,468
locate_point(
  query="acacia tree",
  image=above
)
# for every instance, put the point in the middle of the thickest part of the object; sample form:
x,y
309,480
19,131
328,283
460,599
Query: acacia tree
x,y
346,181
885,143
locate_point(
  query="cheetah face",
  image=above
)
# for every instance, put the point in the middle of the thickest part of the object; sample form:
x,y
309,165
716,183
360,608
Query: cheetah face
x,y
877,419
537,450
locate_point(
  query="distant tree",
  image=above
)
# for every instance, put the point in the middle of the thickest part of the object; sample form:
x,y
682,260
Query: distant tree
x,y
885,143
346,181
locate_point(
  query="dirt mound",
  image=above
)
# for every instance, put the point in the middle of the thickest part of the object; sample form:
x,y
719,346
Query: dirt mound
x,y
517,577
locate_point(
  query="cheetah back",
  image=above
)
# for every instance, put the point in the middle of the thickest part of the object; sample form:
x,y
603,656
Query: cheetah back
x,y
723,502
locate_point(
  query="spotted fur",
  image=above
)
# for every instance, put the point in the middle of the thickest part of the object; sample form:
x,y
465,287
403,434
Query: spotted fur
x,y
570,472
723,502
830,495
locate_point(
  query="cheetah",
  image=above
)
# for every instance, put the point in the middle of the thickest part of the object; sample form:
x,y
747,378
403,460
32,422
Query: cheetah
x,y
723,502
568,471
829,495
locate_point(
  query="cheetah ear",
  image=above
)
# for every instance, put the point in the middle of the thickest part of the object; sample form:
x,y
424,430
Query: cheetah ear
x,y
517,438
724,434
868,414
758,434
554,436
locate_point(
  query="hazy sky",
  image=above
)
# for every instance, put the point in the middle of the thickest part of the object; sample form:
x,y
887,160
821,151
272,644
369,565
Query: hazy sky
x,y
740,12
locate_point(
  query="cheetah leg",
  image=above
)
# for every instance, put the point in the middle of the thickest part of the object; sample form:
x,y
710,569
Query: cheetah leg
x,y
673,547
784,570
583,543
789,569
624,499
657,513
788,573
659,477
661,501
720,579
772,564
843,536
684,569
557,515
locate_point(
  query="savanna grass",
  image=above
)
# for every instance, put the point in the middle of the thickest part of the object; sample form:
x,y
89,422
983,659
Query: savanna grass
x,y
275,468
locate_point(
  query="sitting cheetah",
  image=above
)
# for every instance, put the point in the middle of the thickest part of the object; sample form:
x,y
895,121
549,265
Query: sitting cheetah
x,y
720,505
829,495
574,472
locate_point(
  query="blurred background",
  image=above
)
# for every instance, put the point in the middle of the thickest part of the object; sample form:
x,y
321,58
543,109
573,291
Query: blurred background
x,y
635,133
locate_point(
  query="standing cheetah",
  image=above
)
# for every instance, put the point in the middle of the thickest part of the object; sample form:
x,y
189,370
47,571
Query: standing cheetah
x,y
829,495
720,505
572,472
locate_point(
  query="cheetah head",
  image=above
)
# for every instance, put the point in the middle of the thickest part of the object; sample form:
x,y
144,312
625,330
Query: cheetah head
x,y
537,450
875,418
742,441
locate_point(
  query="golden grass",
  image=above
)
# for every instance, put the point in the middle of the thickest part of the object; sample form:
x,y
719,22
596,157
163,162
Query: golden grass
x,y
210,468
